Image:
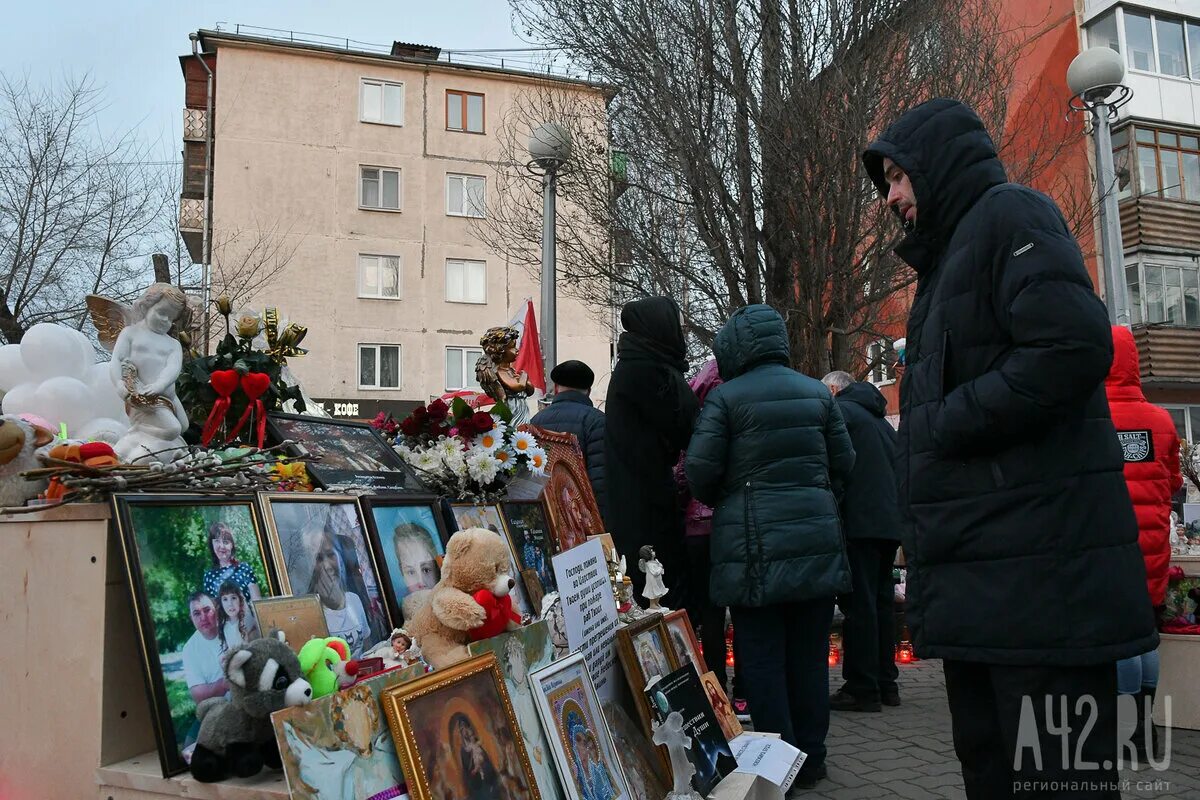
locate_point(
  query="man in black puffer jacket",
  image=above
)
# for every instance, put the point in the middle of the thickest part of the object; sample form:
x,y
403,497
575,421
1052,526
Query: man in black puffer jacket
x,y
572,412
768,449
1024,573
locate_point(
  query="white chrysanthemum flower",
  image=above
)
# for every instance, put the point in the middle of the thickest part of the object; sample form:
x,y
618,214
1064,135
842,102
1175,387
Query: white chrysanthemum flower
x,y
523,442
448,447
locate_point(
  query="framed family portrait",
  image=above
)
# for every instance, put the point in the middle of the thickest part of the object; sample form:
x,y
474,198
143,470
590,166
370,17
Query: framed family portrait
x,y
488,517
574,515
195,564
409,537
683,640
529,531
320,547
300,618
457,735
645,651
573,719
351,455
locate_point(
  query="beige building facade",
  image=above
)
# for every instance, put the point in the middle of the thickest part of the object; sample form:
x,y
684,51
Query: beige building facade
x,y
374,168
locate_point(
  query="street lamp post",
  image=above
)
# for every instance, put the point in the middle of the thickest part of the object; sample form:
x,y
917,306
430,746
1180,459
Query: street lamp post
x,y
1095,80
549,149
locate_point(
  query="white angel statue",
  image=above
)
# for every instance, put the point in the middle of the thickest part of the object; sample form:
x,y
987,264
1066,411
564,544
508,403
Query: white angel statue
x,y
146,361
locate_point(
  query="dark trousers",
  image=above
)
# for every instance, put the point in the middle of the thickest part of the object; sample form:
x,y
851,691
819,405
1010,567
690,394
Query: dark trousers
x,y
783,660
869,629
707,619
1010,747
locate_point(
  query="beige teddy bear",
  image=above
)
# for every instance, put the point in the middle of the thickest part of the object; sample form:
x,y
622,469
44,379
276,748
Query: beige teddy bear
x,y
476,559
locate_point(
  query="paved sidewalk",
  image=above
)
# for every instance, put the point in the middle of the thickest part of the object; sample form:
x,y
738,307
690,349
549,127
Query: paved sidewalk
x,y
906,752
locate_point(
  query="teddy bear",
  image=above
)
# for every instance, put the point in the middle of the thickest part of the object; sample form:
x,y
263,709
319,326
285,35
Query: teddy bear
x,y
19,442
236,737
476,559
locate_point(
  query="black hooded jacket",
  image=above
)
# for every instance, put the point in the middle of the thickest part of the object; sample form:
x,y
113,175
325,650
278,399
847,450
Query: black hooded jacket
x,y
649,415
869,496
1018,530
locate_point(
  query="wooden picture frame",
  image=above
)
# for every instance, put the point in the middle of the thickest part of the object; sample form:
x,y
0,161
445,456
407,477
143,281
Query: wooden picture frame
x,y
461,709
532,538
684,641
571,712
404,575
569,499
299,617
351,455
311,547
489,516
633,641
157,533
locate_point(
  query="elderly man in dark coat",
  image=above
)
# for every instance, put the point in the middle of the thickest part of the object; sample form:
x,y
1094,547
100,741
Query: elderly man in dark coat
x,y
571,411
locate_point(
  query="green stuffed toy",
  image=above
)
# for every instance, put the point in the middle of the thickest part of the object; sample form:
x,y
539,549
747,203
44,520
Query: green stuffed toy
x,y
323,662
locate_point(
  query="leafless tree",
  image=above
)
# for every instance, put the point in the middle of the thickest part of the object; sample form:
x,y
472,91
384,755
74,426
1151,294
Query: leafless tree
x,y
727,170
75,205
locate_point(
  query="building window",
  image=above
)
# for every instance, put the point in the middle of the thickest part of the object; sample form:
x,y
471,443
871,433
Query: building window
x,y
882,360
381,101
379,276
460,368
1168,162
379,366
1102,32
1154,43
380,188
466,196
466,281
464,112
1187,422
1164,293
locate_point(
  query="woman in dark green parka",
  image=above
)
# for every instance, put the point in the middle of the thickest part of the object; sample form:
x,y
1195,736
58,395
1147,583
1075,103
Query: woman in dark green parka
x,y
768,450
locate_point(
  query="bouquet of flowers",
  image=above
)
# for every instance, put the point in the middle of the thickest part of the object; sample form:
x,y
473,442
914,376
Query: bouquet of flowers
x,y
467,454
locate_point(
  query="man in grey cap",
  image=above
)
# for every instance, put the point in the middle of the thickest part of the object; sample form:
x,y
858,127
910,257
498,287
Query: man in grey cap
x,y
572,411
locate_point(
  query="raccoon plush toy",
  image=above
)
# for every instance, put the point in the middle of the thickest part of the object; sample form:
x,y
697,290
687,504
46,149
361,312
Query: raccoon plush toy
x,y
235,735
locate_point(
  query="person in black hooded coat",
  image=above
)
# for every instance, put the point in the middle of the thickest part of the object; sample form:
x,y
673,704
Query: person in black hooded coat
x,y
1024,573
649,415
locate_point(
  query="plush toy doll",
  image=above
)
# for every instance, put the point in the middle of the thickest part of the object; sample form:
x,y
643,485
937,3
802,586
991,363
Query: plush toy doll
x,y
89,454
324,664
476,560
235,736
19,441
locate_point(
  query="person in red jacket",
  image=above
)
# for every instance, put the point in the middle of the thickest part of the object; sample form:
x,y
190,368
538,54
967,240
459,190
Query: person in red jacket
x,y
1150,444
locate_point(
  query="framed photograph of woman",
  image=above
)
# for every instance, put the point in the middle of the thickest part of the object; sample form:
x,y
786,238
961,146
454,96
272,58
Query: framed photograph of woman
x,y
457,735
529,530
195,564
645,651
488,517
583,749
351,455
320,546
409,538
683,640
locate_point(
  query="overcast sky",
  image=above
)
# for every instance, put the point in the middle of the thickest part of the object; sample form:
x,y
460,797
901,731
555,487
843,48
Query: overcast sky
x,y
131,47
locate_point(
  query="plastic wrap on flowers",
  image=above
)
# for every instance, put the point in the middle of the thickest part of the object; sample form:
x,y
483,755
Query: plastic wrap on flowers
x,y
465,454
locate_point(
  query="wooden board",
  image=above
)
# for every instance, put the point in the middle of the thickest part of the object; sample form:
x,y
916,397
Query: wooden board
x,y
1178,680
140,778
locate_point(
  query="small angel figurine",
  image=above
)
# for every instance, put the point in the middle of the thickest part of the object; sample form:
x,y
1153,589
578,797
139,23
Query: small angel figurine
x,y
398,650
671,734
146,361
655,588
496,375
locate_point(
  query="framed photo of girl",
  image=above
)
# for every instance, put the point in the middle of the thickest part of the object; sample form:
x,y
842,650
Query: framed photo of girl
x,y
644,647
457,735
409,539
320,546
195,565
573,719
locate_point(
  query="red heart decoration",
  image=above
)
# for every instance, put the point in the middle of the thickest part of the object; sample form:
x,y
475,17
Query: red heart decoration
x,y
254,384
225,381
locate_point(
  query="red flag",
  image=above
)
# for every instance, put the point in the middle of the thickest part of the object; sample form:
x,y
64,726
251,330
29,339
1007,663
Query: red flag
x,y
529,357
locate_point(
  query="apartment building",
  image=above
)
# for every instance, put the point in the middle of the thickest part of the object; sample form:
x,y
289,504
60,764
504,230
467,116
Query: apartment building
x,y
375,166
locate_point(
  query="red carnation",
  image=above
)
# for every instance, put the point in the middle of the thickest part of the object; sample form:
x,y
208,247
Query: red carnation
x,y
438,410
482,421
420,412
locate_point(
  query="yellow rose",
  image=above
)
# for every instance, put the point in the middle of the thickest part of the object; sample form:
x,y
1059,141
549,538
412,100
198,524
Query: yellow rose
x,y
248,326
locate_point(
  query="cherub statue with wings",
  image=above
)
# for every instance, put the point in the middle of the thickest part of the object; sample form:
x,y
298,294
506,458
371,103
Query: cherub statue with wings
x,y
147,358
496,374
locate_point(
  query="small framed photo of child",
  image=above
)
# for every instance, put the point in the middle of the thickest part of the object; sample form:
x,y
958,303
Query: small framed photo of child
x,y
408,535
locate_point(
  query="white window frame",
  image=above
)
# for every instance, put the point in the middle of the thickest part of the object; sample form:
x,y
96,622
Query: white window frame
x,y
363,83
1191,432
1119,15
468,366
1139,314
399,188
463,178
399,366
464,261
884,368
362,292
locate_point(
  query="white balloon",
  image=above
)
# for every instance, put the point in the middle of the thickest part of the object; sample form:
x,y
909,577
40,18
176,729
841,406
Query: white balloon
x,y
50,350
64,399
12,368
20,399
102,429
86,349
104,393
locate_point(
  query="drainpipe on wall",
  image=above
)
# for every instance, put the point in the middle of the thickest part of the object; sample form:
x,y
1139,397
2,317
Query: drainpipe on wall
x,y
206,237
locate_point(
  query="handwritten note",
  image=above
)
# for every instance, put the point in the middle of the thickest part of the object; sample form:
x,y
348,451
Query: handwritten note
x,y
589,612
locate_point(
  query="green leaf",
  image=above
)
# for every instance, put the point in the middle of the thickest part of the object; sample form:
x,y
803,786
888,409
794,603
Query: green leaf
x,y
502,411
459,408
